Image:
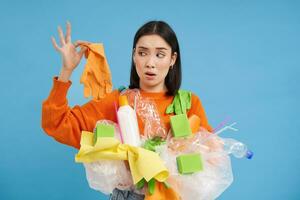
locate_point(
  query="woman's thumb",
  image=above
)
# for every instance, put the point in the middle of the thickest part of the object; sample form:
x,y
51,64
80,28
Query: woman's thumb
x,y
82,51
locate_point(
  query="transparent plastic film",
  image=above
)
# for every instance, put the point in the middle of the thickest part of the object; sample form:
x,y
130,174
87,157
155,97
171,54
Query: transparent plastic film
x,y
216,175
147,111
105,175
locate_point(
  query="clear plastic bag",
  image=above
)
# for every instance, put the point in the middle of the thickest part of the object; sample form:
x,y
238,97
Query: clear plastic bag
x,y
216,176
105,175
148,113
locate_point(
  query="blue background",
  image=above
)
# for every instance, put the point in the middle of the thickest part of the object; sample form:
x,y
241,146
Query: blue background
x,y
240,57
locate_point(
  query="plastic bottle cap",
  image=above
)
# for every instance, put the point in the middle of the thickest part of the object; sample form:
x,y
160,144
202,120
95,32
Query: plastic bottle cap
x,y
123,101
249,154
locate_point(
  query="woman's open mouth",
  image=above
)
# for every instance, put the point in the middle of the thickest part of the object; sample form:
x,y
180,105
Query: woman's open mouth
x,y
150,75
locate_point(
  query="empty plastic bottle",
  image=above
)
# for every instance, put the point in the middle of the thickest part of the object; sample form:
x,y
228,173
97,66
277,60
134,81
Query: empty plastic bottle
x,y
127,120
238,149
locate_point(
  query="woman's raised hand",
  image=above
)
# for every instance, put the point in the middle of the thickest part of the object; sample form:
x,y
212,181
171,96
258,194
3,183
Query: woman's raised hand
x,y
70,56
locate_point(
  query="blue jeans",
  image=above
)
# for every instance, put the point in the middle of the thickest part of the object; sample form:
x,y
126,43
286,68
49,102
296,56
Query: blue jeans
x,y
125,195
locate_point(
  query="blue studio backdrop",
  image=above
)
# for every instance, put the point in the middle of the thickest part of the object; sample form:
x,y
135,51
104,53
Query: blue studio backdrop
x,y
240,57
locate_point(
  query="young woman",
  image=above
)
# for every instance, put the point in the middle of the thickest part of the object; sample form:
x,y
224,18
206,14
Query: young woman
x,y
155,72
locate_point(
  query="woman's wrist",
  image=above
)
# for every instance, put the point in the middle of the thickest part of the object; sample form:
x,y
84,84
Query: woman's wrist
x,y
65,75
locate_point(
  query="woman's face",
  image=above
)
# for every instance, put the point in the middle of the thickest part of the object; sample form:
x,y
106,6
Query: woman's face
x,y
153,59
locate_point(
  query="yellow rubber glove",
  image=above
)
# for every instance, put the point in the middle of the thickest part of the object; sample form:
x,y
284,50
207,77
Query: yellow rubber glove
x,y
96,76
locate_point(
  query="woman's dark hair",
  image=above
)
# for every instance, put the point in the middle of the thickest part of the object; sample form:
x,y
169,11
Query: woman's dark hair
x,y
161,28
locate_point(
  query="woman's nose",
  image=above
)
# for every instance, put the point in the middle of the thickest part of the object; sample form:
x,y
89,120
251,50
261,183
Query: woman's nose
x,y
150,62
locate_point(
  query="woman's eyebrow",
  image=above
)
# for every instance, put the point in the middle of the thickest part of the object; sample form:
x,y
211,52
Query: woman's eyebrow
x,y
159,48
141,47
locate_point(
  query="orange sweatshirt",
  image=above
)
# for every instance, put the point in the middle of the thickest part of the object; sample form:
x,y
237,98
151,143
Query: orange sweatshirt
x,y
65,124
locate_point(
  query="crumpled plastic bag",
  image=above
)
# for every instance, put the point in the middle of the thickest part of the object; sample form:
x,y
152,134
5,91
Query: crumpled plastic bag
x,y
105,175
216,176
208,184
148,113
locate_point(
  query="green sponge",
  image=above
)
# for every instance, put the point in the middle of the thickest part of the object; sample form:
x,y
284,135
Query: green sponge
x,y
189,163
104,130
180,125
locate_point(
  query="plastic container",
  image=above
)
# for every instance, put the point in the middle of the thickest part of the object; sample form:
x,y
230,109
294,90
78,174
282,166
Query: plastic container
x,y
127,120
238,149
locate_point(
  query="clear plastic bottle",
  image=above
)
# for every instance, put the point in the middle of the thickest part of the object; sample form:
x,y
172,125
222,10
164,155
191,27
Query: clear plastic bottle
x,y
127,120
238,149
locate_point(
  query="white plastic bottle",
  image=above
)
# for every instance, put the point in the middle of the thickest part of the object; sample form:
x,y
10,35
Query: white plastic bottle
x,y
128,122
238,149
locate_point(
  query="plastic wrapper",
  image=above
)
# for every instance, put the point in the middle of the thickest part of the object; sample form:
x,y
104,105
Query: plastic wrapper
x,y
210,183
105,175
216,175
148,113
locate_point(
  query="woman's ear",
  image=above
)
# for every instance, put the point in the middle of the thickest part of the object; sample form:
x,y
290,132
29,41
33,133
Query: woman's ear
x,y
173,58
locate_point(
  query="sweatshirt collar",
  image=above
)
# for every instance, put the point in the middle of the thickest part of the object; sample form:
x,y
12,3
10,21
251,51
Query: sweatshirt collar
x,y
154,95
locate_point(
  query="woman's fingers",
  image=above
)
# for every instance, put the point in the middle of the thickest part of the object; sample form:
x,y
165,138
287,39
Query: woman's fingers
x,y
68,34
55,44
76,44
79,42
82,50
61,36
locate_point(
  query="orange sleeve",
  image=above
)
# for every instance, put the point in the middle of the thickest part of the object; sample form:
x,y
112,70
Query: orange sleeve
x,y
197,109
65,124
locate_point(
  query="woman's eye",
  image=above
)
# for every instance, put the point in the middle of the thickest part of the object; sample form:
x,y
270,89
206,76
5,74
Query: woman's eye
x,y
160,55
142,53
